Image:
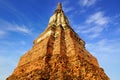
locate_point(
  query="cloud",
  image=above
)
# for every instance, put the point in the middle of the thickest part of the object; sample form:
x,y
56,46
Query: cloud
x,y
2,33
118,30
18,28
116,20
23,42
85,6
104,46
9,55
7,27
11,9
7,65
68,9
87,3
65,8
8,62
98,18
107,53
94,25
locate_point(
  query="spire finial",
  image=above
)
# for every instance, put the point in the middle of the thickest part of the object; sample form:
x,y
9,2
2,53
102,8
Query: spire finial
x,y
59,6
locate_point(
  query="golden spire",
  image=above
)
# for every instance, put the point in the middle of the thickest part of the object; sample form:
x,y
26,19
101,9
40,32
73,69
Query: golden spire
x,y
59,17
59,6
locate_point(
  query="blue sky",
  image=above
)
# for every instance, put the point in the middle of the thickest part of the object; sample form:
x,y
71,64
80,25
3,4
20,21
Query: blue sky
x,y
96,21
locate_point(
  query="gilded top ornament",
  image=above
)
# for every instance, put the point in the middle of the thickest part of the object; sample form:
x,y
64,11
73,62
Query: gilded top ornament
x,y
59,6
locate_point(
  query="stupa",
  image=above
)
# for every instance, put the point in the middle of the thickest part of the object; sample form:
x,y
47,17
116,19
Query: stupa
x,y
58,54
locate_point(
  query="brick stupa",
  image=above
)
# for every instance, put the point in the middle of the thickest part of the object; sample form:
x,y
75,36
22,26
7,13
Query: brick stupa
x,y
58,54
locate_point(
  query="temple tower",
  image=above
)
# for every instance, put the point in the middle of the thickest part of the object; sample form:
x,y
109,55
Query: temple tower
x,y
58,54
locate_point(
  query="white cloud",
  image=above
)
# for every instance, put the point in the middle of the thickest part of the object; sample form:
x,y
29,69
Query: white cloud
x,y
17,28
66,2
87,3
93,35
105,50
7,66
2,33
8,27
107,53
65,8
9,56
118,30
68,9
104,46
95,29
23,42
94,25
98,18
116,20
